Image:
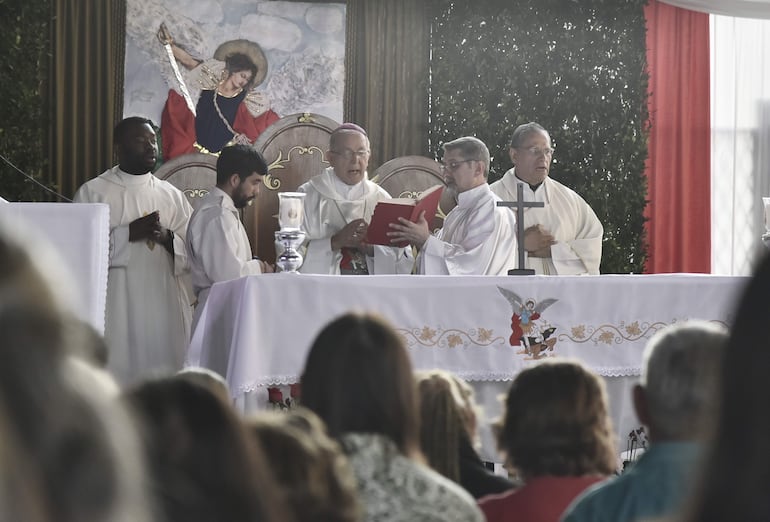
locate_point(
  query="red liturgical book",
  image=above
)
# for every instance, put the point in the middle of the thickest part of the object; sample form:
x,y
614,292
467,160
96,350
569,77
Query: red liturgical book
x,y
388,211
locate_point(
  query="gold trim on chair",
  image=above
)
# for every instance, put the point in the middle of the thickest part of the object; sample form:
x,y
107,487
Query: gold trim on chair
x,y
196,193
273,183
306,118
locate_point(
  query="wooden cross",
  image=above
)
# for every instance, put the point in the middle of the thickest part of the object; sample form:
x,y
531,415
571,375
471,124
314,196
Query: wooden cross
x,y
519,205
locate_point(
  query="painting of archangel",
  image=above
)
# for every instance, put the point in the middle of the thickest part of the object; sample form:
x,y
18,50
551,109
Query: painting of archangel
x,y
219,72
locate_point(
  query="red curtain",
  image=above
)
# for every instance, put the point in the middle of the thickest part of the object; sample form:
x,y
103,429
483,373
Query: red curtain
x,y
679,163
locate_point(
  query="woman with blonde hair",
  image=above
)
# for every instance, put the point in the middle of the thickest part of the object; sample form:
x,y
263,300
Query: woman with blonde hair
x,y
556,434
449,417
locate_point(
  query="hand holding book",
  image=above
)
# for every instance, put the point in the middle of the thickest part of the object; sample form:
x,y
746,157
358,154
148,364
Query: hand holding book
x,y
406,232
394,219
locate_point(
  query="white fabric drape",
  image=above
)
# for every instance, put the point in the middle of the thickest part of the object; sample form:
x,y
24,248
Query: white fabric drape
x,y
740,147
742,8
72,241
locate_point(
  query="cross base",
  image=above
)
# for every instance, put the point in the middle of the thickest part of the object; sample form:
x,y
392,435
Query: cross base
x,y
521,271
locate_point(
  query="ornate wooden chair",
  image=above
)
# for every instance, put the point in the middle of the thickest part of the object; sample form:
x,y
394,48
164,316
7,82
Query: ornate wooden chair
x,y
194,174
408,176
294,148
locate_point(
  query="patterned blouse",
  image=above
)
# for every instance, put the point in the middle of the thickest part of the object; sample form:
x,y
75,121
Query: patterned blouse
x,y
395,488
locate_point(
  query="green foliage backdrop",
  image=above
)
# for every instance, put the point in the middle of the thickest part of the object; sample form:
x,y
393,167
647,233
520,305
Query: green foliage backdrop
x,y
24,48
576,67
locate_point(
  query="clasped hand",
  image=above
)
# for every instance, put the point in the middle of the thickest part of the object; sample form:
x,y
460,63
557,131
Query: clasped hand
x,y
149,228
538,241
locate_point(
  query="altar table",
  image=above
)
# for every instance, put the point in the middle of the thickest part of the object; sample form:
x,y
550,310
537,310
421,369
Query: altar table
x,y
256,331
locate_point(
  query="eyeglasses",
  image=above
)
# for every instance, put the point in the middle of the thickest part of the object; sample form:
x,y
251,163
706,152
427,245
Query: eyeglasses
x,y
537,152
453,165
350,154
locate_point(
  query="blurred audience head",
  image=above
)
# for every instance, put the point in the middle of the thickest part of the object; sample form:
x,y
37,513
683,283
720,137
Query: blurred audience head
x,y
208,379
22,494
85,342
203,463
358,378
309,467
74,441
735,478
680,380
556,422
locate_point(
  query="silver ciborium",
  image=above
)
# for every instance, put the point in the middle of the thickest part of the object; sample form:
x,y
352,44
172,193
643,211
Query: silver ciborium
x,y
290,237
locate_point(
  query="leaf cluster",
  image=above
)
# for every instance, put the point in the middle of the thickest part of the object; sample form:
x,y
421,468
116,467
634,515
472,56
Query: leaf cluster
x,y
24,47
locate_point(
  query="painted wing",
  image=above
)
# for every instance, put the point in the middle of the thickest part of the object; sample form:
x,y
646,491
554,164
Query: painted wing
x,y
511,297
542,305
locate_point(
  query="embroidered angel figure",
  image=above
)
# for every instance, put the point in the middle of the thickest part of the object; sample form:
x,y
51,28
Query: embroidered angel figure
x,y
524,328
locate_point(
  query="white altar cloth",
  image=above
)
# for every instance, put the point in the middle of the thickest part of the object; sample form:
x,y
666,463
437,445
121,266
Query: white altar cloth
x,y
256,331
79,232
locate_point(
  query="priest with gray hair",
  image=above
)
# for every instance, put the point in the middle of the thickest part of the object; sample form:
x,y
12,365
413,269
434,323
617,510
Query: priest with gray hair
x,y
562,236
478,237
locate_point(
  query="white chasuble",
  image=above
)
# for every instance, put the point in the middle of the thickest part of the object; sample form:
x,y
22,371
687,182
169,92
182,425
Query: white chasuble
x,y
149,302
478,238
566,215
327,212
218,247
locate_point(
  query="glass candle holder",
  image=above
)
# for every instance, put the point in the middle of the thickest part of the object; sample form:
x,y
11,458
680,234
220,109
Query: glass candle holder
x,y
290,210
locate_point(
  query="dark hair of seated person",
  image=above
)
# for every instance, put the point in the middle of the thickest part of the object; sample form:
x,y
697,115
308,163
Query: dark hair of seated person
x,y
358,378
204,464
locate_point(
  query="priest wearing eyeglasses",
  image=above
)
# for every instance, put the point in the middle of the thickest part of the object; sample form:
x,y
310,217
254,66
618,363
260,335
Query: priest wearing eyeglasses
x,y
339,204
478,237
563,237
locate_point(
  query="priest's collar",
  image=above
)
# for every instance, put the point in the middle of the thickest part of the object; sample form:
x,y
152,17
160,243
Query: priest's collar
x,y
349,192
131,179
468,198
533,187
227,200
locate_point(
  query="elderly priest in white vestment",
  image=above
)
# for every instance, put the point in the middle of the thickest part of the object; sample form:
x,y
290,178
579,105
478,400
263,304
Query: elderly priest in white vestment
x,y
478,237
149,306
564,237
338,207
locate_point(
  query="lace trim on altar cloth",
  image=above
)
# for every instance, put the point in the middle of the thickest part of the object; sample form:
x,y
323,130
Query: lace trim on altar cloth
x,y
285,380
273,380
609,371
